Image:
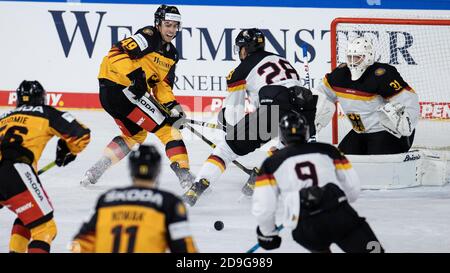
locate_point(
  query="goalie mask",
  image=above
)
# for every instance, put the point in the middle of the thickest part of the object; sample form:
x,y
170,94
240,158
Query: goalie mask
x,y
30,93
167,13
360,55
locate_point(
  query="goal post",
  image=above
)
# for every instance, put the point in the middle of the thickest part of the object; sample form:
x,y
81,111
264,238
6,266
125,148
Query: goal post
x,y
420,50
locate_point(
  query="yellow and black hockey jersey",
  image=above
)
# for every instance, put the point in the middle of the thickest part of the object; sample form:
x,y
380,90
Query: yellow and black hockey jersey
x,y
25,131
147,50
292,168
136,220
361,99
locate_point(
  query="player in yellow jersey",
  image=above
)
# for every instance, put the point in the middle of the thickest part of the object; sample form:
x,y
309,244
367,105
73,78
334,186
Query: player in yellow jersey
x,y
136,71
24,133
139,218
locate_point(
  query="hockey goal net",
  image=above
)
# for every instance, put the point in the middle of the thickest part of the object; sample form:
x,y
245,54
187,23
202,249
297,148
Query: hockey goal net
x,y
420,50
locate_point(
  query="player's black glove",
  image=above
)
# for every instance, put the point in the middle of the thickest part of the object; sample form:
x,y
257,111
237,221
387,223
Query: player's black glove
x,y
138,84
268,242
63,154
177,116
221,121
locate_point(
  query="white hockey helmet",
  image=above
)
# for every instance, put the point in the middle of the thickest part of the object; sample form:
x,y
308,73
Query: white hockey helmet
x,y
360,55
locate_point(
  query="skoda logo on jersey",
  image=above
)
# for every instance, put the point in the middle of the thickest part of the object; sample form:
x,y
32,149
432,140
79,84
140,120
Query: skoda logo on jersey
x,y
147,105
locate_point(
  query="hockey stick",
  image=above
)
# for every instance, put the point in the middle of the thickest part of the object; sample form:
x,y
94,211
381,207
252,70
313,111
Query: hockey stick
x,y
255,247
207,141
47,167
306,66
167,111
205,124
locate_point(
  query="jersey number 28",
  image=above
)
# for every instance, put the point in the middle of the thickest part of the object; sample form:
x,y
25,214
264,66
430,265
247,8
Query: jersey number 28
x,y
276,72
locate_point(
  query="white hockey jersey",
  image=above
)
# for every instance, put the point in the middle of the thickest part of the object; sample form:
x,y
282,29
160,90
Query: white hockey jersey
x,y
362,99
257,70
289,170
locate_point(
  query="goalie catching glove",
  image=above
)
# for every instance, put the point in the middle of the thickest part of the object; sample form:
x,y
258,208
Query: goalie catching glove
x,y
396,120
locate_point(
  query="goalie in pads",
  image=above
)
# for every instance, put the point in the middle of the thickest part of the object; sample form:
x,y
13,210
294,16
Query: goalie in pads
x,y
382,108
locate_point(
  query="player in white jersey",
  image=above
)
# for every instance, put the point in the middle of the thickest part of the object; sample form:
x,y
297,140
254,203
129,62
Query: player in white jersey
x,y
315,183
272,86
382,108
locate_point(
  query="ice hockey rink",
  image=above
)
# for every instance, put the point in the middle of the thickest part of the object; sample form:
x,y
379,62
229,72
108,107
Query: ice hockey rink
x,y
406,220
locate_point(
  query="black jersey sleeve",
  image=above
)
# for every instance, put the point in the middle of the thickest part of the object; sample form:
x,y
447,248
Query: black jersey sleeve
x,y
65,126
179,235
390,81
144,41
340,76
84,240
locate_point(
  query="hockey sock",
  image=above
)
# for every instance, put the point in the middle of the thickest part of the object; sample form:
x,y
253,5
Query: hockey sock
x,y
38,247
216,163
176,152
20,236
175,148
118,148
42,236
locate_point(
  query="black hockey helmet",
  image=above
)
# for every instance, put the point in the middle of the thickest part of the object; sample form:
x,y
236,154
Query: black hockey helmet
x,y
253,39
167,13
294,128
145,162
30,93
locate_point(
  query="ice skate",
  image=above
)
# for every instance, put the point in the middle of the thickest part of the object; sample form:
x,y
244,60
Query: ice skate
x,y
192,195
249,186
184,175
95,172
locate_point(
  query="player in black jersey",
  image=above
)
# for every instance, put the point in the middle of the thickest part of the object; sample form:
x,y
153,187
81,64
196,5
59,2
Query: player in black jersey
x,y
139,218
138,71
382,108
273,87
24,133
315,183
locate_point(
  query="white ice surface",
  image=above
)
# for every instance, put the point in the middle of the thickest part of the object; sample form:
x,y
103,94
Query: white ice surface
x,y
407,220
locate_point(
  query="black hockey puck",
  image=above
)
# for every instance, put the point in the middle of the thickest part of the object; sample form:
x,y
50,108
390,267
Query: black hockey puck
x,y
218,225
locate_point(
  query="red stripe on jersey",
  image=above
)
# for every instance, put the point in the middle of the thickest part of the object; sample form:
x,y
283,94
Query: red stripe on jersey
x,y
241,82
352,91
340,161
265,176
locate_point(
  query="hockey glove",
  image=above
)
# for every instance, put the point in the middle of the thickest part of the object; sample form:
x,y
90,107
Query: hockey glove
x,y
396,120
63,154
138,84
300,96
177,116
268,242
